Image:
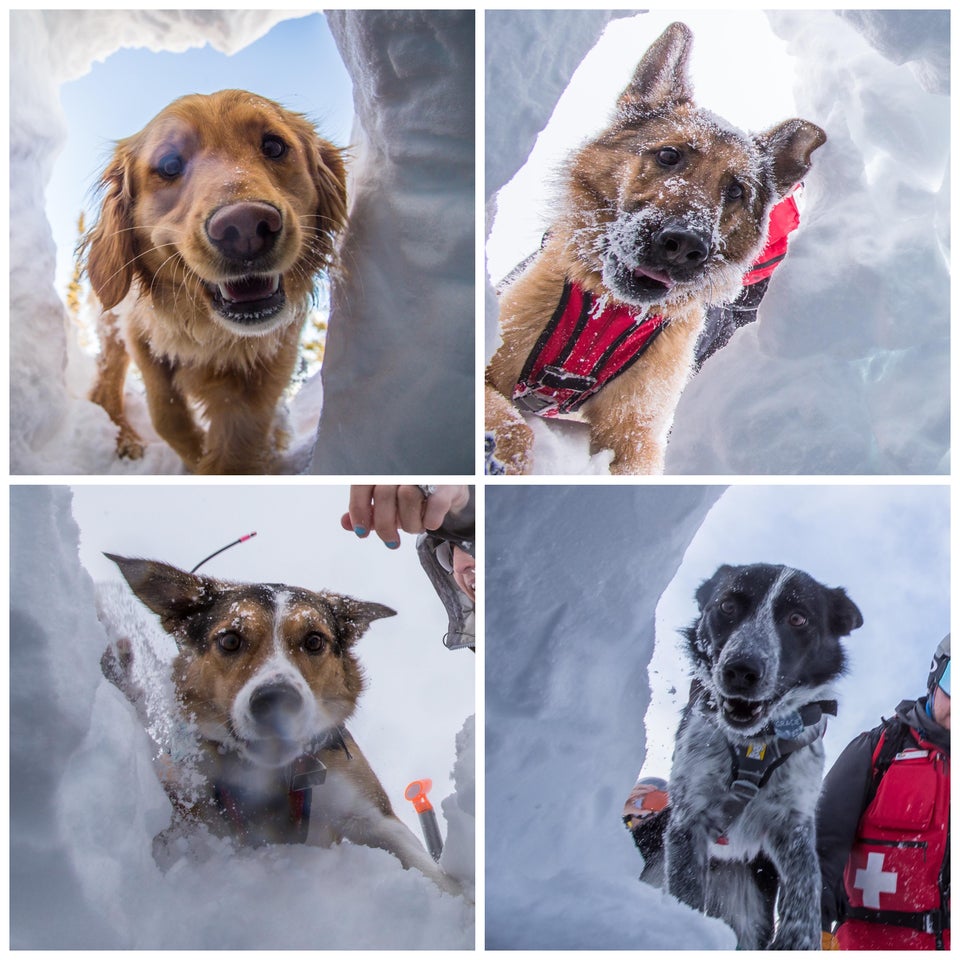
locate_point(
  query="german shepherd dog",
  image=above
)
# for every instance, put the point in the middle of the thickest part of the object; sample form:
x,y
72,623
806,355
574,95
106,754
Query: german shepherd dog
x,y
660,216
264,681
749,755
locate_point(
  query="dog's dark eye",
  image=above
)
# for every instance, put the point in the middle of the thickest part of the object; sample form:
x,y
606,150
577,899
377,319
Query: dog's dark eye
x,y
797,619
170,166
734,191
729,607
273,147
229,642
315,643
668,156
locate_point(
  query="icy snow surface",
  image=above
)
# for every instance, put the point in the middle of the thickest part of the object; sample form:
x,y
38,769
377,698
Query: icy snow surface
x,y
388,405
568,642
847,370
85,803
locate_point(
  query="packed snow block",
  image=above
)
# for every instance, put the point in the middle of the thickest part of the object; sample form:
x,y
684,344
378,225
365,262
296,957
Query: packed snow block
x,y
398,373
574,575
531,55
52,629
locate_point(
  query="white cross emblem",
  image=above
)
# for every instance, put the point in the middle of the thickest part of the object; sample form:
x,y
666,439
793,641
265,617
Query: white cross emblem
x,y
873,881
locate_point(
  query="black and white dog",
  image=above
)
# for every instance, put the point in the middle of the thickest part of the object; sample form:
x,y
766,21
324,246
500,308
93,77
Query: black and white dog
x,y
748,758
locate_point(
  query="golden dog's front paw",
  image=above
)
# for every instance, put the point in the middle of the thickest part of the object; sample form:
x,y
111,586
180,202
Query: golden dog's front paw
x,y
129,445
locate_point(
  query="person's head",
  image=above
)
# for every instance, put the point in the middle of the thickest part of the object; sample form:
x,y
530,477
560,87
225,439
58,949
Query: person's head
x,y
457,560
938,684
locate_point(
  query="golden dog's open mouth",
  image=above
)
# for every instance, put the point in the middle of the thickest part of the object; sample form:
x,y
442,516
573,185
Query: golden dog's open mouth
x,y
249,300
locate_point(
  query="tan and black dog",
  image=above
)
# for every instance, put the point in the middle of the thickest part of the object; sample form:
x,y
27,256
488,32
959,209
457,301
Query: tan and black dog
x,y
265,680
660,216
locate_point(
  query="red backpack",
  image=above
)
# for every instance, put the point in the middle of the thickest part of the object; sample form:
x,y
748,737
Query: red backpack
x,y
897,877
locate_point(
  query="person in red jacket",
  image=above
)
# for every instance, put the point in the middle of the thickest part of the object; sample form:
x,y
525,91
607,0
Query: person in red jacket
x,y
723,322
883,829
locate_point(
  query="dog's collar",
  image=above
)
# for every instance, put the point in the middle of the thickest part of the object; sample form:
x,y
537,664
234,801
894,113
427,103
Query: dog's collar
x,y
755,758
588,342
281,819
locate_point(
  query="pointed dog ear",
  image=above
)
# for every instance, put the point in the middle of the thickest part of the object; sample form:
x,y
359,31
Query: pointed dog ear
x,y
845,616
789,146
661,78
355,616
165,590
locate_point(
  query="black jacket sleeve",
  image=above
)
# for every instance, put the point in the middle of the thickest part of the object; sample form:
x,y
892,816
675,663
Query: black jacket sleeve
x,y
845,795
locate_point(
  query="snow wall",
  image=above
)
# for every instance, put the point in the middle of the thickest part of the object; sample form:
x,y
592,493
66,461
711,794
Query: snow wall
x,y
848,370
392,405
566,696
85,805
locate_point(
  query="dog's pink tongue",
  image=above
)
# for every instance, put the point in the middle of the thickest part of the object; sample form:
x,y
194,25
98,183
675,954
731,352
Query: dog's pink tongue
x,y
653,275
249,288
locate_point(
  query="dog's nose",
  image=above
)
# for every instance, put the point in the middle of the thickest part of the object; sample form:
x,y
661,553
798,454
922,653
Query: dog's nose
x,y
245,231
273,704
682,246
742,675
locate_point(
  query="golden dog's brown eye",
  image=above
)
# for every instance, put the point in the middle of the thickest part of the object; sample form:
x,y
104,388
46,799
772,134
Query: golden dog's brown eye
x,y
668,156
315,643
273,148
229,642
170,166
797,619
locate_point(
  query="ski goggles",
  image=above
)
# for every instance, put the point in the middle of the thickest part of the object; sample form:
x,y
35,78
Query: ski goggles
x,y
444,552
944,682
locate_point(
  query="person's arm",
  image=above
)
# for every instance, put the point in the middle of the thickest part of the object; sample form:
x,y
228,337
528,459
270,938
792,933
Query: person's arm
x,y
843,798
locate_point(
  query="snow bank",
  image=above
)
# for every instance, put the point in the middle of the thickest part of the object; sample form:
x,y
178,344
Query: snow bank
x,y
85,804
406,303
566,695
848,369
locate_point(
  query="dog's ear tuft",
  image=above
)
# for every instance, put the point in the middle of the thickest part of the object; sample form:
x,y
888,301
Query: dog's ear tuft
x,y
355,616
167,591
845,616
789,146
661,79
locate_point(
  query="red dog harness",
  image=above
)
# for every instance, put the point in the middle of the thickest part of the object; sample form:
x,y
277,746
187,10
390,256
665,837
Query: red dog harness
x,y
587,343
590,341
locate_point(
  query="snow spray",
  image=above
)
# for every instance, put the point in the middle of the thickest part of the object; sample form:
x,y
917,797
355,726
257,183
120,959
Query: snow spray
x,y
227,547
416,793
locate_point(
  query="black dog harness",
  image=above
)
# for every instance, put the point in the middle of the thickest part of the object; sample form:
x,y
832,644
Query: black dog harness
x,y
587,343
283,816
753,761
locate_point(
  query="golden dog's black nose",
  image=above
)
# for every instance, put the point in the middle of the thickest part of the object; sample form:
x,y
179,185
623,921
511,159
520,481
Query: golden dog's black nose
x,y
245,231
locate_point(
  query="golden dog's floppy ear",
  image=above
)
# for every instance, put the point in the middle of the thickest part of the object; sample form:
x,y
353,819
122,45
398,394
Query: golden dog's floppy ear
x,y
661,79
109,246
330,177
789,146
355,616
167,591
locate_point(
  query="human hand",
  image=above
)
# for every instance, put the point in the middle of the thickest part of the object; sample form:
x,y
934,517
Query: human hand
x,y
388,509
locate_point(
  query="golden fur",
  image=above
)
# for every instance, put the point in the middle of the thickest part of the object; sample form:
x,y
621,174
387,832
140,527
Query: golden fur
x,y
662,168
217,215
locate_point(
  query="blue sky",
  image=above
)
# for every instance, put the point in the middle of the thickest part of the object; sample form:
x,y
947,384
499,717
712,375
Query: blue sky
x,y
296,64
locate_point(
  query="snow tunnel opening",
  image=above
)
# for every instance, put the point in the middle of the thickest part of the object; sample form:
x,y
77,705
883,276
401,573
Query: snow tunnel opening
x,y
295,62
724,82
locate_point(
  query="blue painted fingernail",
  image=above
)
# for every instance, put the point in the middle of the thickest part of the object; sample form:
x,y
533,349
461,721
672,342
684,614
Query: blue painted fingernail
x,y
393,544
360,531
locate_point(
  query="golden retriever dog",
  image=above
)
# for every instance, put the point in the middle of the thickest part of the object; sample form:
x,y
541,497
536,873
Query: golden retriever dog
x,y
216,218
660,216
265,680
